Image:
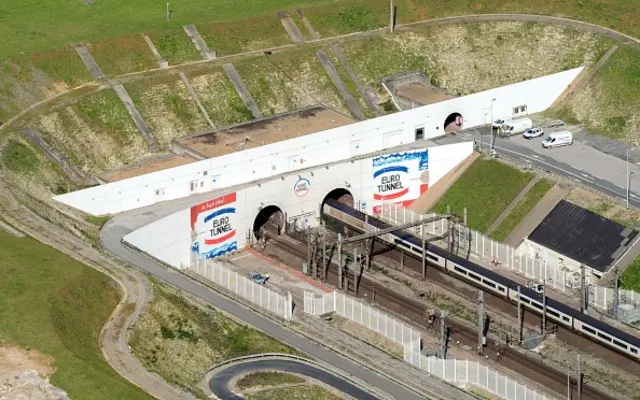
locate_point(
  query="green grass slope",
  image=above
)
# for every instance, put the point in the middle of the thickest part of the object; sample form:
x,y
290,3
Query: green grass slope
x,y
485,189
58,306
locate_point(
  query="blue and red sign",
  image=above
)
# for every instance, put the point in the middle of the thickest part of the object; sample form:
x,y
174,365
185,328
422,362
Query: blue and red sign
x,y
391,182
396,177
213,224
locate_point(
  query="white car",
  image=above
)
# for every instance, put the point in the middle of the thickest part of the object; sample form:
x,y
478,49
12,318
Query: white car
x,y
533,133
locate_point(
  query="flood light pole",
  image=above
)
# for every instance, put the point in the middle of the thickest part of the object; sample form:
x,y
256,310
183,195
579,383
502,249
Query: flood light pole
x,y
493,142
167,11
391,16
628,179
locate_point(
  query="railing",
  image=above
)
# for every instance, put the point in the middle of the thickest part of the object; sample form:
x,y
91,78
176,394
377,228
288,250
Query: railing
x,y
265,298
332,370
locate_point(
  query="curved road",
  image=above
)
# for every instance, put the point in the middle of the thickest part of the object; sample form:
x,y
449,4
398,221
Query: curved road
x,y
219,382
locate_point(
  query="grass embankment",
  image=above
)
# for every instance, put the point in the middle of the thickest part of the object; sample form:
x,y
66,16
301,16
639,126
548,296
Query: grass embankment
x,y
267,379
630,278
175,46
454,55
122,55
294,393
485,189
168,108
54,304
524,206
220,98
608,104
179,339
289,80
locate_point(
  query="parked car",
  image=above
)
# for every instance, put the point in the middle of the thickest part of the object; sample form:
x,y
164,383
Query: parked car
x,y
259,278
533,133
517,126
562,138
499,123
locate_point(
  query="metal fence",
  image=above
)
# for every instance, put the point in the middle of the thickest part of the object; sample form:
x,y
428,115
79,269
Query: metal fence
x,y
472,372
604,298
265,298
362,314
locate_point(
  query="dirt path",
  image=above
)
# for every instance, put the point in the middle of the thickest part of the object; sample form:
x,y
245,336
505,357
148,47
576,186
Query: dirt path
x,y
137,291
623,38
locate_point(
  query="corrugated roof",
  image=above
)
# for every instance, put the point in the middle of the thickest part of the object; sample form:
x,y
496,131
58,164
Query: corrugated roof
x,y
583,236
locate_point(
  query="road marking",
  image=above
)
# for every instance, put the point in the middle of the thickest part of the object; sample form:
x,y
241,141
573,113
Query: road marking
x,y
239,257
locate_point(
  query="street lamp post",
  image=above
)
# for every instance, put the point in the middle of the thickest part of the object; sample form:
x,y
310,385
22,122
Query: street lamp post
x,y
492,137
628,179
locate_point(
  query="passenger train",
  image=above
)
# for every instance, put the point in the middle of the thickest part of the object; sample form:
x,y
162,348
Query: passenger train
x,y
561,314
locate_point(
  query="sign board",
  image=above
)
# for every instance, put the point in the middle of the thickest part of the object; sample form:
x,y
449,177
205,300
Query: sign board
x,y
213,227
396,177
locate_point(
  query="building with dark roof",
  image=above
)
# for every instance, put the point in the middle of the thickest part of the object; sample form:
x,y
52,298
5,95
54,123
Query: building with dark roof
x,y
571,236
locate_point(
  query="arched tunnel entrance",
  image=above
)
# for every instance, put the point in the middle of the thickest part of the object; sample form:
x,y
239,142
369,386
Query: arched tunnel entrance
x,y
341,195
453,123
270,218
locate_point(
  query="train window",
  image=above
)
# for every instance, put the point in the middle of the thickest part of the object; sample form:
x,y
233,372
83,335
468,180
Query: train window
x,y
634,351
474,276
586,328
554,313
525,300
433,257
490,284
566,319
620,344
460,270
603,336
536,305
501,289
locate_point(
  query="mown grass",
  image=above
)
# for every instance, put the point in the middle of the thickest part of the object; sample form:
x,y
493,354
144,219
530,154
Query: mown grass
x,y
521,210
295,393
176,331
56,305
630,278
238,36
267,379
485,189
123,55
220,98
61,65
18,157
175,46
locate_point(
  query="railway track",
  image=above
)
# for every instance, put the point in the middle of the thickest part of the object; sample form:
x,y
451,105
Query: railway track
x,y
416,312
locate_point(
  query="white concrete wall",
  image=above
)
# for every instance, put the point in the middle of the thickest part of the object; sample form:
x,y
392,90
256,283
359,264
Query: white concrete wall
x,y
556,260
173,240
317,149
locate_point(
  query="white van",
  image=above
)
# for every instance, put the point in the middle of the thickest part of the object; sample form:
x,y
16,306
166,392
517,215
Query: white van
x,y
500,122
518,126
562,138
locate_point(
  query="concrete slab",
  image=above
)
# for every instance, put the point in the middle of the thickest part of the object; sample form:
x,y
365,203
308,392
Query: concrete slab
x,y
242,90
57,158
267,130
365,95
161,61
515,201
195,98
199,42
422,94
307,25
535,217
145,167
351,102
291,27
137,118
89,61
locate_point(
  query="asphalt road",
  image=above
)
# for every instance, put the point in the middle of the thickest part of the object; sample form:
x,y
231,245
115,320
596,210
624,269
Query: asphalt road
x,y
578,162
117,227
219,383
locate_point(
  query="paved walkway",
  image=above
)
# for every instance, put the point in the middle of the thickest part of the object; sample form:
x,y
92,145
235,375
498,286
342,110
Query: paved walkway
x,y
10,230
510,207
291,28
536,215
307,24
199,42
195,98
368,99
141,124
242,90
89,61
161,61
348,98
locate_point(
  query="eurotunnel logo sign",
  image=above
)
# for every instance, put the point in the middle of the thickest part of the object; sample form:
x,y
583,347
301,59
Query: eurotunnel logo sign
x,y
301,187
391,182
213,227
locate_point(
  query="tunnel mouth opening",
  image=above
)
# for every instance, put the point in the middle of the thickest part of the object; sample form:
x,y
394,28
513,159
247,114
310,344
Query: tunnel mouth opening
x,y
340,195
271,219
453,123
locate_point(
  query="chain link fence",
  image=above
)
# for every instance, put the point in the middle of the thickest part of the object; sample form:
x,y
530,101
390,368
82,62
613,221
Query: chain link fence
x,y
265,298
474,373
